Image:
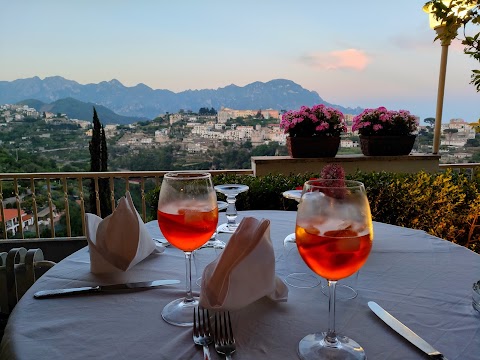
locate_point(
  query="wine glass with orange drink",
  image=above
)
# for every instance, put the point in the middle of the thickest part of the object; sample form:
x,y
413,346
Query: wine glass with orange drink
x,y
188,216
334,235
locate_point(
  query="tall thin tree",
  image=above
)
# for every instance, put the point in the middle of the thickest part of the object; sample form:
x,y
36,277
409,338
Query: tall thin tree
x,y
105,203
98,162
95,144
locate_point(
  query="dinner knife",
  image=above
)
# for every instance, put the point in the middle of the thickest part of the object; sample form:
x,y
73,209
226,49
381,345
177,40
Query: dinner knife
x,y
103,288
405,331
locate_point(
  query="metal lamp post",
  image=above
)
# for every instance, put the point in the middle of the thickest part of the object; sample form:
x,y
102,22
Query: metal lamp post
x,y
440,27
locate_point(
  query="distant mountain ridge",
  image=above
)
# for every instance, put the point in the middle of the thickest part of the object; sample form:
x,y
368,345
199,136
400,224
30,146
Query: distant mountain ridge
x,y
145,102
76,109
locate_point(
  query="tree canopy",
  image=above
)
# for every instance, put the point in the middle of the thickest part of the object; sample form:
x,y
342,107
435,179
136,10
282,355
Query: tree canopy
x,y
454,16
206,111
430,121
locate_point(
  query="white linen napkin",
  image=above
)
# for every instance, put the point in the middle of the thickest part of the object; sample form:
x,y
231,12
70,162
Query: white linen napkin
x,y
245,270
119,241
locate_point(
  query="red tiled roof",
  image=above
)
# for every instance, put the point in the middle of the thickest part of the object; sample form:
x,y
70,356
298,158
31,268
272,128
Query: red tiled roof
x,y
11,214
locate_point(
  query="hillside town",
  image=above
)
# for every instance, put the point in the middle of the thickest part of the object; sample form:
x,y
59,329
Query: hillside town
x,y
199,132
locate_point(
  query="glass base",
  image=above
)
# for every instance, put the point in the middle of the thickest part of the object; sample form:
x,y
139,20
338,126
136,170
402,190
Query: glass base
x,y
297,278
342,292
213,243
179,313
204,255
302,280
314,347
227,228
290,238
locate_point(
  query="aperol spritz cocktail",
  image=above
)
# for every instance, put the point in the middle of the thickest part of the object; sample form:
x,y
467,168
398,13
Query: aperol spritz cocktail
x,y
333,254
187,216
187,224
334,235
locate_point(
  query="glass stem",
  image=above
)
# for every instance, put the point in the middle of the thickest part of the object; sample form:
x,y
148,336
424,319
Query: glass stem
x,y
188,279
331,336
231,212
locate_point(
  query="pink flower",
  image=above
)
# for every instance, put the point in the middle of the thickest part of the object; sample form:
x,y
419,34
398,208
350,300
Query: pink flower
x,y
318,120
384,117
381,121
323,126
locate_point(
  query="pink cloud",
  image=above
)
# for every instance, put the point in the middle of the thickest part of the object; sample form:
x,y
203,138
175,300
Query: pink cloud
x,y
342,59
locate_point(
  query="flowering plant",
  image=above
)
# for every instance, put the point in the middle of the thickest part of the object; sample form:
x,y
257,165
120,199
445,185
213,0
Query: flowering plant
x,y
332,175
381,121
319,120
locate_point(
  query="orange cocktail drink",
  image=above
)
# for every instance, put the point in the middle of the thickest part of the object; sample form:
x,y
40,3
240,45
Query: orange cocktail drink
x,y
333,254
187,215
334,234
187,224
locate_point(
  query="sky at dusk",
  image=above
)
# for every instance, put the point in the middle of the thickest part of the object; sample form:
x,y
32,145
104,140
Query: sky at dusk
x,y
352,53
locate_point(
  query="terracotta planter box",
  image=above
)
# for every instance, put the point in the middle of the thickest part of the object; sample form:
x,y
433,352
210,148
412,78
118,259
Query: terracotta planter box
x,y
387,145
313,147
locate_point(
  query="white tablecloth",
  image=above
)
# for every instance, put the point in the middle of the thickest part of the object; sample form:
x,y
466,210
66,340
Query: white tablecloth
x,y
424,281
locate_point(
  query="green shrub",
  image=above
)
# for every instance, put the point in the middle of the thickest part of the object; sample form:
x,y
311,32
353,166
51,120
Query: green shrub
x,y
264,193
444,204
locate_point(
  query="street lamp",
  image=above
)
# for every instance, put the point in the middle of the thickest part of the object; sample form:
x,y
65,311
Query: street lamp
x,y
450,32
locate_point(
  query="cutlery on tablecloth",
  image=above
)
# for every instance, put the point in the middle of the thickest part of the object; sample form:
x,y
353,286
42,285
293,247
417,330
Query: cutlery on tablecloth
x,y
405,331
202,331
224,340
103,288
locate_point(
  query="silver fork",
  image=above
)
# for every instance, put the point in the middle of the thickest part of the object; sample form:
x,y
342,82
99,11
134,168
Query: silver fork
x,y
224,340
202,333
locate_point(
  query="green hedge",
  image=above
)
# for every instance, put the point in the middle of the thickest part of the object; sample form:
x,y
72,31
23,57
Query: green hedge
x,y
444,204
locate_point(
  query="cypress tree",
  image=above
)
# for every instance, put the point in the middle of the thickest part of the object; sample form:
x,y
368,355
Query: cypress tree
x,y
103,151
95,144
98,162
104,184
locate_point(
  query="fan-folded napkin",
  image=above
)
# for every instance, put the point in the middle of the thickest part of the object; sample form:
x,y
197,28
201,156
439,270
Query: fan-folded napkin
x,y
118,242
245,270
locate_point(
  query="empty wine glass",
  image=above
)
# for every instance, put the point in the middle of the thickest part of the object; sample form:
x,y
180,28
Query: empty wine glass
x,y
187,216
230,191
334,235
208,251
299,276
213,242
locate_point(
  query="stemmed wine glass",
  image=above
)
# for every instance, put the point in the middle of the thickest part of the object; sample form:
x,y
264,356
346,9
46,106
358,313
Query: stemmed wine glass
x,y
208,251
230,191
334,235
187,216
300,276
213,242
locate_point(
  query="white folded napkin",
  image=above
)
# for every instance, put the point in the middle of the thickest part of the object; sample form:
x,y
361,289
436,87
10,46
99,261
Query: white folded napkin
x,y
119,241
245,270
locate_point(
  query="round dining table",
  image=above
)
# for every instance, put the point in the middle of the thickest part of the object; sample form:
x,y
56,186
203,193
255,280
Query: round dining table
x,y
424,281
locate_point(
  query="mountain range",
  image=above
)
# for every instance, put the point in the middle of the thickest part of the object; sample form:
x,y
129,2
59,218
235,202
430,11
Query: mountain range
x,y
142,102
76,109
